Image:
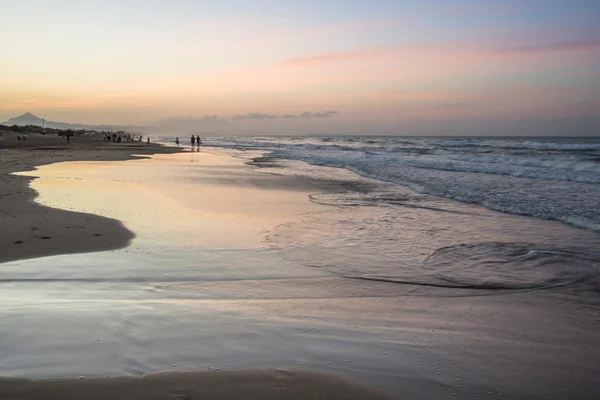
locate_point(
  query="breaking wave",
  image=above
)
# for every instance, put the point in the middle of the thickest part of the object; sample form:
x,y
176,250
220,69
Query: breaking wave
x,y
549,178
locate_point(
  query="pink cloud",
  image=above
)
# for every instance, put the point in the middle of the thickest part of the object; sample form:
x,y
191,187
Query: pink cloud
x,y
414,79
336,57
583,45
467,50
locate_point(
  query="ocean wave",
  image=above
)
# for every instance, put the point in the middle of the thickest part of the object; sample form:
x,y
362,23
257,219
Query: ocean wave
x,y
550,178
562,146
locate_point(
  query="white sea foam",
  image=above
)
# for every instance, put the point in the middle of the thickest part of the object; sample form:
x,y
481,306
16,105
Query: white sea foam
x,y
551,178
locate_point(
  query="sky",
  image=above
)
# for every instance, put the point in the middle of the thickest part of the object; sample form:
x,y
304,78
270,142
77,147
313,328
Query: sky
x,y
407,67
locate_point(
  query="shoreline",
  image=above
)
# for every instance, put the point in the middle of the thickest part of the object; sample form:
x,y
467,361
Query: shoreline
x,y
234,267
67,238
32,230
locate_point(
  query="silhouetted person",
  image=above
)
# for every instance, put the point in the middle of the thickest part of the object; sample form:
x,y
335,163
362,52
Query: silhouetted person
x,y
147,140
177,141
193,142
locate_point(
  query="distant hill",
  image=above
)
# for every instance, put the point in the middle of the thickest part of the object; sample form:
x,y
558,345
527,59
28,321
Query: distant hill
x,y
175,125
30,119
25,119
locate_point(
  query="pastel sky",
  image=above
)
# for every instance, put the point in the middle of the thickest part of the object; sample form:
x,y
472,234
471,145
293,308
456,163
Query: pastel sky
x,y
329,66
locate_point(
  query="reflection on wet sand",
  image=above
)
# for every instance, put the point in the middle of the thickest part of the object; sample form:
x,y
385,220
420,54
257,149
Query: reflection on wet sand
x,y
230,268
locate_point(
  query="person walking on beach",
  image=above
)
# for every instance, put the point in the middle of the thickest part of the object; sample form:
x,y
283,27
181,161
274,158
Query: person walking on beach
x,y
193,142
198,142
177,141
147,141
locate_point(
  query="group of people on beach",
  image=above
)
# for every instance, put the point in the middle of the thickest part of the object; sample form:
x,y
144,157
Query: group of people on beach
x,y
120,136
194,140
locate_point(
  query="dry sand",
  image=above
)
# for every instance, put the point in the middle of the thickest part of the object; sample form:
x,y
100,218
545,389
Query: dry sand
x,y
28,229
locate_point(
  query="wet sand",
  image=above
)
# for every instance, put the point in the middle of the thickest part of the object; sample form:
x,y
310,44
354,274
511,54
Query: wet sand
x,y
32,230
275,385
231,269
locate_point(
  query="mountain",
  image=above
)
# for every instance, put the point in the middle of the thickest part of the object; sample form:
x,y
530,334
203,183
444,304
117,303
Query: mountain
x,y
30,119
25,119
206,124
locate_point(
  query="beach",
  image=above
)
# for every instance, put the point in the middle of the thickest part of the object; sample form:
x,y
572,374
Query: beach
x,y
274,385
190,274
31,230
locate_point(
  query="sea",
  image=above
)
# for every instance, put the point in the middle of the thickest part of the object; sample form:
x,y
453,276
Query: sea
x,y
427,267
544,177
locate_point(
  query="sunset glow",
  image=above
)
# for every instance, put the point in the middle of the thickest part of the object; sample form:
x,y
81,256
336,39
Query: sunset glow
x,y
405,67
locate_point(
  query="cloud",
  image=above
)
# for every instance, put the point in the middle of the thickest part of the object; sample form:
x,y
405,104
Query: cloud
x,y
308,114
335,57
554,47
474,47
212,117
254,115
